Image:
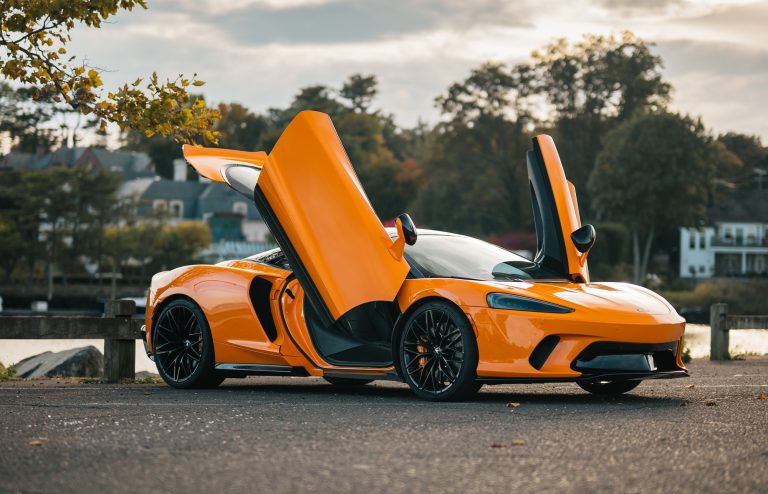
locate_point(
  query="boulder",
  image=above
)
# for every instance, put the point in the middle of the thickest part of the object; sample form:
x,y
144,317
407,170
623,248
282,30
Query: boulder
x,y
78,362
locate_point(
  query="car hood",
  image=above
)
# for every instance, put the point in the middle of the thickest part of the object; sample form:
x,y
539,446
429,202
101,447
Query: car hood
x,y
621,297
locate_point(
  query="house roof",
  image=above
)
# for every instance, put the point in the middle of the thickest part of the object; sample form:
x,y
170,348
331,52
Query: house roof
x,y
743,206
168,189
217,198
130,164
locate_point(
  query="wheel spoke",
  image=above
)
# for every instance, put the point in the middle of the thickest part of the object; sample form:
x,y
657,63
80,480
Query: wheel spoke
x,y
179,348
433,351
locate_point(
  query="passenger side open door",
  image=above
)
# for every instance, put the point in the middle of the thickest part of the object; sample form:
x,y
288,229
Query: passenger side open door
x,y
316,208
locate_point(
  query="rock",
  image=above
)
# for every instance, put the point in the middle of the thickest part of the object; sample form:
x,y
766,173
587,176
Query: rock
x,y
77,362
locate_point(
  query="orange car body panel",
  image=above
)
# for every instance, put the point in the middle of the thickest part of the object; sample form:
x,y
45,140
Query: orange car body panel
x,y
311,187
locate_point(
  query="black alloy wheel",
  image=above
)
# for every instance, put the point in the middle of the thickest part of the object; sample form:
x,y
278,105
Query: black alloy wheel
x,y
438,353
608,387
183,348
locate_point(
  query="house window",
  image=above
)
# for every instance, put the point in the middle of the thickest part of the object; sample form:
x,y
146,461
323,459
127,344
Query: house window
x,y
702,242
739,236
692,240
159,205
702,269
176,208
240,208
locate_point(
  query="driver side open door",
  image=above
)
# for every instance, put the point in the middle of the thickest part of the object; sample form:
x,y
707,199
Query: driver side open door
x,y
556,213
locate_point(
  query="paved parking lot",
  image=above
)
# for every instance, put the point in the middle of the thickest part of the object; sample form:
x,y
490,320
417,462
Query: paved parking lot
x,y
708,433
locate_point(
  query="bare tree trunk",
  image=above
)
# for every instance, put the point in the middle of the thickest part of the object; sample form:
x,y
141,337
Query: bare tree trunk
x,y
640,259
647,252
636,259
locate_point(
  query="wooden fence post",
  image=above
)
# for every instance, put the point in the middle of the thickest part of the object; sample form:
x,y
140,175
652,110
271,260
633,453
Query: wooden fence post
x,y
718,323
119,355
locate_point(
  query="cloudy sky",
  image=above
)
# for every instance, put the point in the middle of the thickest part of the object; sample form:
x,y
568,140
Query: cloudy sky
x,y
259,52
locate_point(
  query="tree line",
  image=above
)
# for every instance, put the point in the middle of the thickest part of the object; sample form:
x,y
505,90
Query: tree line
x,y
641,170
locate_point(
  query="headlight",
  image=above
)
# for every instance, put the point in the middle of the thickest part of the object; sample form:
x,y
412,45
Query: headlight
x,y
514,302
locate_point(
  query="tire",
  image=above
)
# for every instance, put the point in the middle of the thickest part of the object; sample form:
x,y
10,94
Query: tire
x,y
438,353
608,387
342,381
183,347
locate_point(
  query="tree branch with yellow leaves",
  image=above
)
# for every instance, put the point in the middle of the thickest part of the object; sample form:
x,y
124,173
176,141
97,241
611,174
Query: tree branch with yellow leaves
x,y
33,51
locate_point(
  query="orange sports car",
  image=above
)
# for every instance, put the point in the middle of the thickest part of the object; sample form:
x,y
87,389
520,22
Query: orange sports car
x,y
348,300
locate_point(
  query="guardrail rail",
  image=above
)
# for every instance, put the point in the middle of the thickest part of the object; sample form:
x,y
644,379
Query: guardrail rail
x,y
721,323
117,328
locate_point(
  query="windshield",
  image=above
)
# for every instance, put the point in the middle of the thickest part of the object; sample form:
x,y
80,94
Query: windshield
x,y
451,256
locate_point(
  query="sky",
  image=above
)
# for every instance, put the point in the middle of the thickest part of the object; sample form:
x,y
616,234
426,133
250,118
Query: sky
x,y
260,52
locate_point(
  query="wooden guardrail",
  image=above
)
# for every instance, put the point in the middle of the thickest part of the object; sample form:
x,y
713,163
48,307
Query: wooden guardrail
x,y
720,323
118,329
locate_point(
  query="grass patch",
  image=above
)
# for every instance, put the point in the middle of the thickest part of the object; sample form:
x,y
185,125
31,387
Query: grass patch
x,y
8,374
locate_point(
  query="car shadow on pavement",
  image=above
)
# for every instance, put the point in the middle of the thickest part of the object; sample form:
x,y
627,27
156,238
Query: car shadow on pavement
x,y
489,394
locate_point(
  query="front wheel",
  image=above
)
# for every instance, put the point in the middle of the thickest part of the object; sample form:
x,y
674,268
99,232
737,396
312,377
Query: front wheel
x,y
608,387
438,353
183,347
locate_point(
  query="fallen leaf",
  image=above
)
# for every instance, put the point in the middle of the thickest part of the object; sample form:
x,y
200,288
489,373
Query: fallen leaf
x,y
519,442
498,445
761,396
710,403
691,386
147,394
683,404
512,405
38,442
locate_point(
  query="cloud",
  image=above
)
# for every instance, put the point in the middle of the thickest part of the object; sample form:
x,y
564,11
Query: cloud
x,y
252,22
723,82
260,52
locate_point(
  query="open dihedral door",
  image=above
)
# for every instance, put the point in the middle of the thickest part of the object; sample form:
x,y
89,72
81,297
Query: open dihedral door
x,y
314,205
555,212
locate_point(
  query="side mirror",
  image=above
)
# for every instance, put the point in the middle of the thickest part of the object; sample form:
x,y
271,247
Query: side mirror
x,y
406,229
584,238
406,234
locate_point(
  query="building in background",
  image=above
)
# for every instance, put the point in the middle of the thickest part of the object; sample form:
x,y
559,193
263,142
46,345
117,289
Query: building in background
x,y
232,218
734,244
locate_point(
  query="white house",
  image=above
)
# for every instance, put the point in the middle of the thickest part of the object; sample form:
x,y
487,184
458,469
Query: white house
x,y
734,244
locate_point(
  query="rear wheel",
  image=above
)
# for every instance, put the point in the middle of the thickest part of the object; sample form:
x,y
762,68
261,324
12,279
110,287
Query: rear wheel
x,y
342,381
608,387
183,347
438,353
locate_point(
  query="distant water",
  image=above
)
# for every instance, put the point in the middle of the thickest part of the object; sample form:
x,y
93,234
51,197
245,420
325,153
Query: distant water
x,y
11,351
696,338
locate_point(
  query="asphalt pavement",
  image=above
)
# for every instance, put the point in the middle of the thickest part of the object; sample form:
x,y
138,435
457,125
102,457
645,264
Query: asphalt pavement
x,y
707,433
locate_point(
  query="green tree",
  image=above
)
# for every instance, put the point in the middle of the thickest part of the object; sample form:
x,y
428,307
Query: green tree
x,y
22,120
474,180
179,244
34,35
359,90
655,173
240,128
592,86
753,156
